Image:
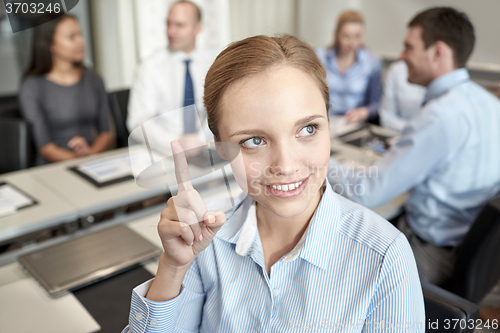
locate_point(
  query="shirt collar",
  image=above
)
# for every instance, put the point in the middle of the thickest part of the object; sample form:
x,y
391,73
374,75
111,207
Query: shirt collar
x,y
322,229
445,82
231,230
315,244
332,58
181,55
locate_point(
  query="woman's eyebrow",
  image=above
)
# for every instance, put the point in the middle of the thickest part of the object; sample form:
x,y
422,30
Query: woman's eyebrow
x,y
260,132
248,132
308,119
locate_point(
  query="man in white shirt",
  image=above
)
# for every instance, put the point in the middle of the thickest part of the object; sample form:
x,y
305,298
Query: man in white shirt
x,y
169,80
401,100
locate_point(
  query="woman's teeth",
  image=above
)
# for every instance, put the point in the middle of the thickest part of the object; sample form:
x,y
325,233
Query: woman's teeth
x,y
286,188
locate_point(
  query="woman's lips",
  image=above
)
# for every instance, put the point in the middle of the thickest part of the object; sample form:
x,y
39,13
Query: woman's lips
x,y
283,190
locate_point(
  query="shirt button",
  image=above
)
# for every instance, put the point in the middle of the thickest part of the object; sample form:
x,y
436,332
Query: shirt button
x,y
153,323
276,292
138,316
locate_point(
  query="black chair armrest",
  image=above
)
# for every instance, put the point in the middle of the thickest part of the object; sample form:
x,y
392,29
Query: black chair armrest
x,y
441,305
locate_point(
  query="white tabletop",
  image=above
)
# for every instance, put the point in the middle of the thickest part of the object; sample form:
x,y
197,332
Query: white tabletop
x,y
89,199
85,196
51,208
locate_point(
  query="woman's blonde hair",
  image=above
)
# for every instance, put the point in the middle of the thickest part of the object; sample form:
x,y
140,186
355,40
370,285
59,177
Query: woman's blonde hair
x,y
255,55
349,16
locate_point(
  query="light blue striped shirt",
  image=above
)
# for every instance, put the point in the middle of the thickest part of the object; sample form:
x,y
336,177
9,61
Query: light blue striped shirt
x,y
360,85
351,271
448,159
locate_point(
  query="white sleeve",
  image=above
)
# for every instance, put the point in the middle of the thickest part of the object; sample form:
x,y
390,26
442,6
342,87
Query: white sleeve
x,y
389,113
144,98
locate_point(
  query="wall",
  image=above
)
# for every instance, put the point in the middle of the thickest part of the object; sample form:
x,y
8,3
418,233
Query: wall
x,y
114,41
268,17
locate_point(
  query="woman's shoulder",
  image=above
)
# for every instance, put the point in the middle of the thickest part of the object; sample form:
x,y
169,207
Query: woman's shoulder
x,y
322,50
33,80
91,75
93,80
364,226
32,84
370,59
322,53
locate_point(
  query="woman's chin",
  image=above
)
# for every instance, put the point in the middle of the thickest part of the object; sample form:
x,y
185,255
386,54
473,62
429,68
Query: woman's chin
x,y
285,210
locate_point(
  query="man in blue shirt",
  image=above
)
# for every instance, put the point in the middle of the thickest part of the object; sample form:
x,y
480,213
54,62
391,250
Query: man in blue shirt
x,y
447,157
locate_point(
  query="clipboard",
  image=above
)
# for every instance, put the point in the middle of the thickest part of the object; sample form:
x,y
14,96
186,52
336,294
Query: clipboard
x,y
105,172
25,199
99,184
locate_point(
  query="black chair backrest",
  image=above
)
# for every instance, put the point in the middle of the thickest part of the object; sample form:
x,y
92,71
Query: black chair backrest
x,y
447,312
11,110
8,99
477,267
119,109
15,145
9,107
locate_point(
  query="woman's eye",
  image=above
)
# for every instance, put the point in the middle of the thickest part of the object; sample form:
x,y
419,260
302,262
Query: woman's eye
x,y
308,130
253,142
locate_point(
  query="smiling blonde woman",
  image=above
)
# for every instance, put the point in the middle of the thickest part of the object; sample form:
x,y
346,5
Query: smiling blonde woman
x,y
292,255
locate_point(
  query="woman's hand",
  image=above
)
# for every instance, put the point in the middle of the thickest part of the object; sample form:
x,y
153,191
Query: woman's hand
x,y
192,143
357,115
186,227
80,146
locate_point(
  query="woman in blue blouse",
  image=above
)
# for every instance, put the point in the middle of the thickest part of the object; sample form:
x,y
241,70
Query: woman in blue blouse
x,y
353,72
292,254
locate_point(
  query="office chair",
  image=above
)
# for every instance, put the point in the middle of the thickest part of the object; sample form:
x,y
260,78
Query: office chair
x,y
8,99
452,313
15,145
10,110
119,108
477,267
9,107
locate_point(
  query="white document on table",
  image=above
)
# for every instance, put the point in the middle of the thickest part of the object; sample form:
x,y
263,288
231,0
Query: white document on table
x,y
339,125
108,169
12,199
26,307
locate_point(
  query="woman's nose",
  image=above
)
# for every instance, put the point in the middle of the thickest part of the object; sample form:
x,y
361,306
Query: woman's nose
x,y
283,162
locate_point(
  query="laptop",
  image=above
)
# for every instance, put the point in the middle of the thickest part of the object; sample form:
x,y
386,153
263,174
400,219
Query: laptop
x,y
87,259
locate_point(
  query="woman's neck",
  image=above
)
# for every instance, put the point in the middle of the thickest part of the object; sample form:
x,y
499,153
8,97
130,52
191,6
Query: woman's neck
x,y
285,231
279,235
64,72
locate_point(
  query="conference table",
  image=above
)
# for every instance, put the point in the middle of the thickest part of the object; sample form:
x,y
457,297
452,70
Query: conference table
x,y
63,196
50,208
85,197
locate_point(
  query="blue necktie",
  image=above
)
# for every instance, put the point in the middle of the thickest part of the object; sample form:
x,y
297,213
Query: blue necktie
x,y
189,110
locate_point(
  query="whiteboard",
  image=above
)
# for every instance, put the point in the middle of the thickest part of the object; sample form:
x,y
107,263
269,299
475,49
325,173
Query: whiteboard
x,y
387,20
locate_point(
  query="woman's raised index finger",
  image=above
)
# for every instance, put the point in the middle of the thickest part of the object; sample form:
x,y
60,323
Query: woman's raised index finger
x,y
181,167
